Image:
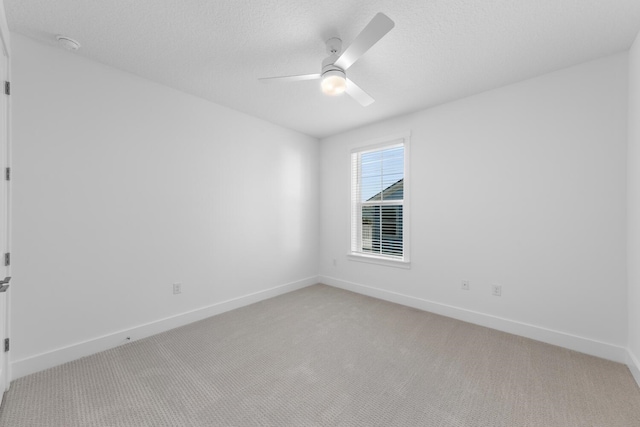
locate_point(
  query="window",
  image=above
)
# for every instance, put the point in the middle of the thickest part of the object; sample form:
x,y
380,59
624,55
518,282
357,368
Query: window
x,y
379,201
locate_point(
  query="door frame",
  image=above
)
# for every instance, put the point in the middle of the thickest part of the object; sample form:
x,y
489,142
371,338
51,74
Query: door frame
x,y
5,45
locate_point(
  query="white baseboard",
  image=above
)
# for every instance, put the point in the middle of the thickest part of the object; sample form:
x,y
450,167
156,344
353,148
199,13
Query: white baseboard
x,y
39,362
634,366
573,342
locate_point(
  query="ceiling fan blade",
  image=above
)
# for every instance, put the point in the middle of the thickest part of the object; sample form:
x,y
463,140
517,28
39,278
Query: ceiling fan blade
x,y
291,78
354,91
380,25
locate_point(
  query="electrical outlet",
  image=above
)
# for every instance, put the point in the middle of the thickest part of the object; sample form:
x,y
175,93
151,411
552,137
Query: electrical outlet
x,y
177,288
496,290
465,285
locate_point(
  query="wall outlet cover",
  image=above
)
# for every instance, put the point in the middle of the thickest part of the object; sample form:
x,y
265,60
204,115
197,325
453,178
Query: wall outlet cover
x,y
177,288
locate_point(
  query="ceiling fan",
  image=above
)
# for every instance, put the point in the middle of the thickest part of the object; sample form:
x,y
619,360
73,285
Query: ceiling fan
x,y
333,74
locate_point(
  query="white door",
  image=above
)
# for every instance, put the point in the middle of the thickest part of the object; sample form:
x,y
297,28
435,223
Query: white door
x,y
4,200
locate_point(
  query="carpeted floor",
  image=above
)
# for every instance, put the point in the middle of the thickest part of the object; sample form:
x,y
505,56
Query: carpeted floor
x,y
321,356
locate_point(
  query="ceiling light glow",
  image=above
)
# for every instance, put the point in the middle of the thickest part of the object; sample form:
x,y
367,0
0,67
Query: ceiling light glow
x,y
334,82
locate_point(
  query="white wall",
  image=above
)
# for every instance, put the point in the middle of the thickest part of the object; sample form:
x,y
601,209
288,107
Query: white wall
x,y
633,213
123,186
523,186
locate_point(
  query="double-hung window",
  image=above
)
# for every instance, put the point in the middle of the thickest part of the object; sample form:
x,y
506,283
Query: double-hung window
x,y
379,208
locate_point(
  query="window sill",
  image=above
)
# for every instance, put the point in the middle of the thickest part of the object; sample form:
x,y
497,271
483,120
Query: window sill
x,y
372,259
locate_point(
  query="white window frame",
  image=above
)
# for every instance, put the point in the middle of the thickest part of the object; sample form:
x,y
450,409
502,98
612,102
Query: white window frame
x,y
356,205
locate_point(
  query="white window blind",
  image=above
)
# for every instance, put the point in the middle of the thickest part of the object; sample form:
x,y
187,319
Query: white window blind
x,y
378,182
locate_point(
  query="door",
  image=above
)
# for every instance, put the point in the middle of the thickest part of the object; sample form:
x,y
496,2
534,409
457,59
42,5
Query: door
x,y
5,237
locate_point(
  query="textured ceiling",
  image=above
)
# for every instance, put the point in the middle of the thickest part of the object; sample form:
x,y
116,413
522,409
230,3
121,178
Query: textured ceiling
x,y
439,50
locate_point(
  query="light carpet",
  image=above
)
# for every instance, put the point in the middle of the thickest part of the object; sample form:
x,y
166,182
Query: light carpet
x,y
322,356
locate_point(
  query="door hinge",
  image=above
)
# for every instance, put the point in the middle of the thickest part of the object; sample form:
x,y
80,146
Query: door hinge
x,y
6,345
7,88
7,174
7,259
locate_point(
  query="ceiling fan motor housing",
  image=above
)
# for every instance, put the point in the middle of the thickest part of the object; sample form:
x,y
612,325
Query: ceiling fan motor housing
x,y
328,66
334,72
331,68
328,62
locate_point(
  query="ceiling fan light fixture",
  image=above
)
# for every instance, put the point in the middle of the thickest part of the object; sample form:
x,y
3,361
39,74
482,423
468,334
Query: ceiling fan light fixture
x,y
334,82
